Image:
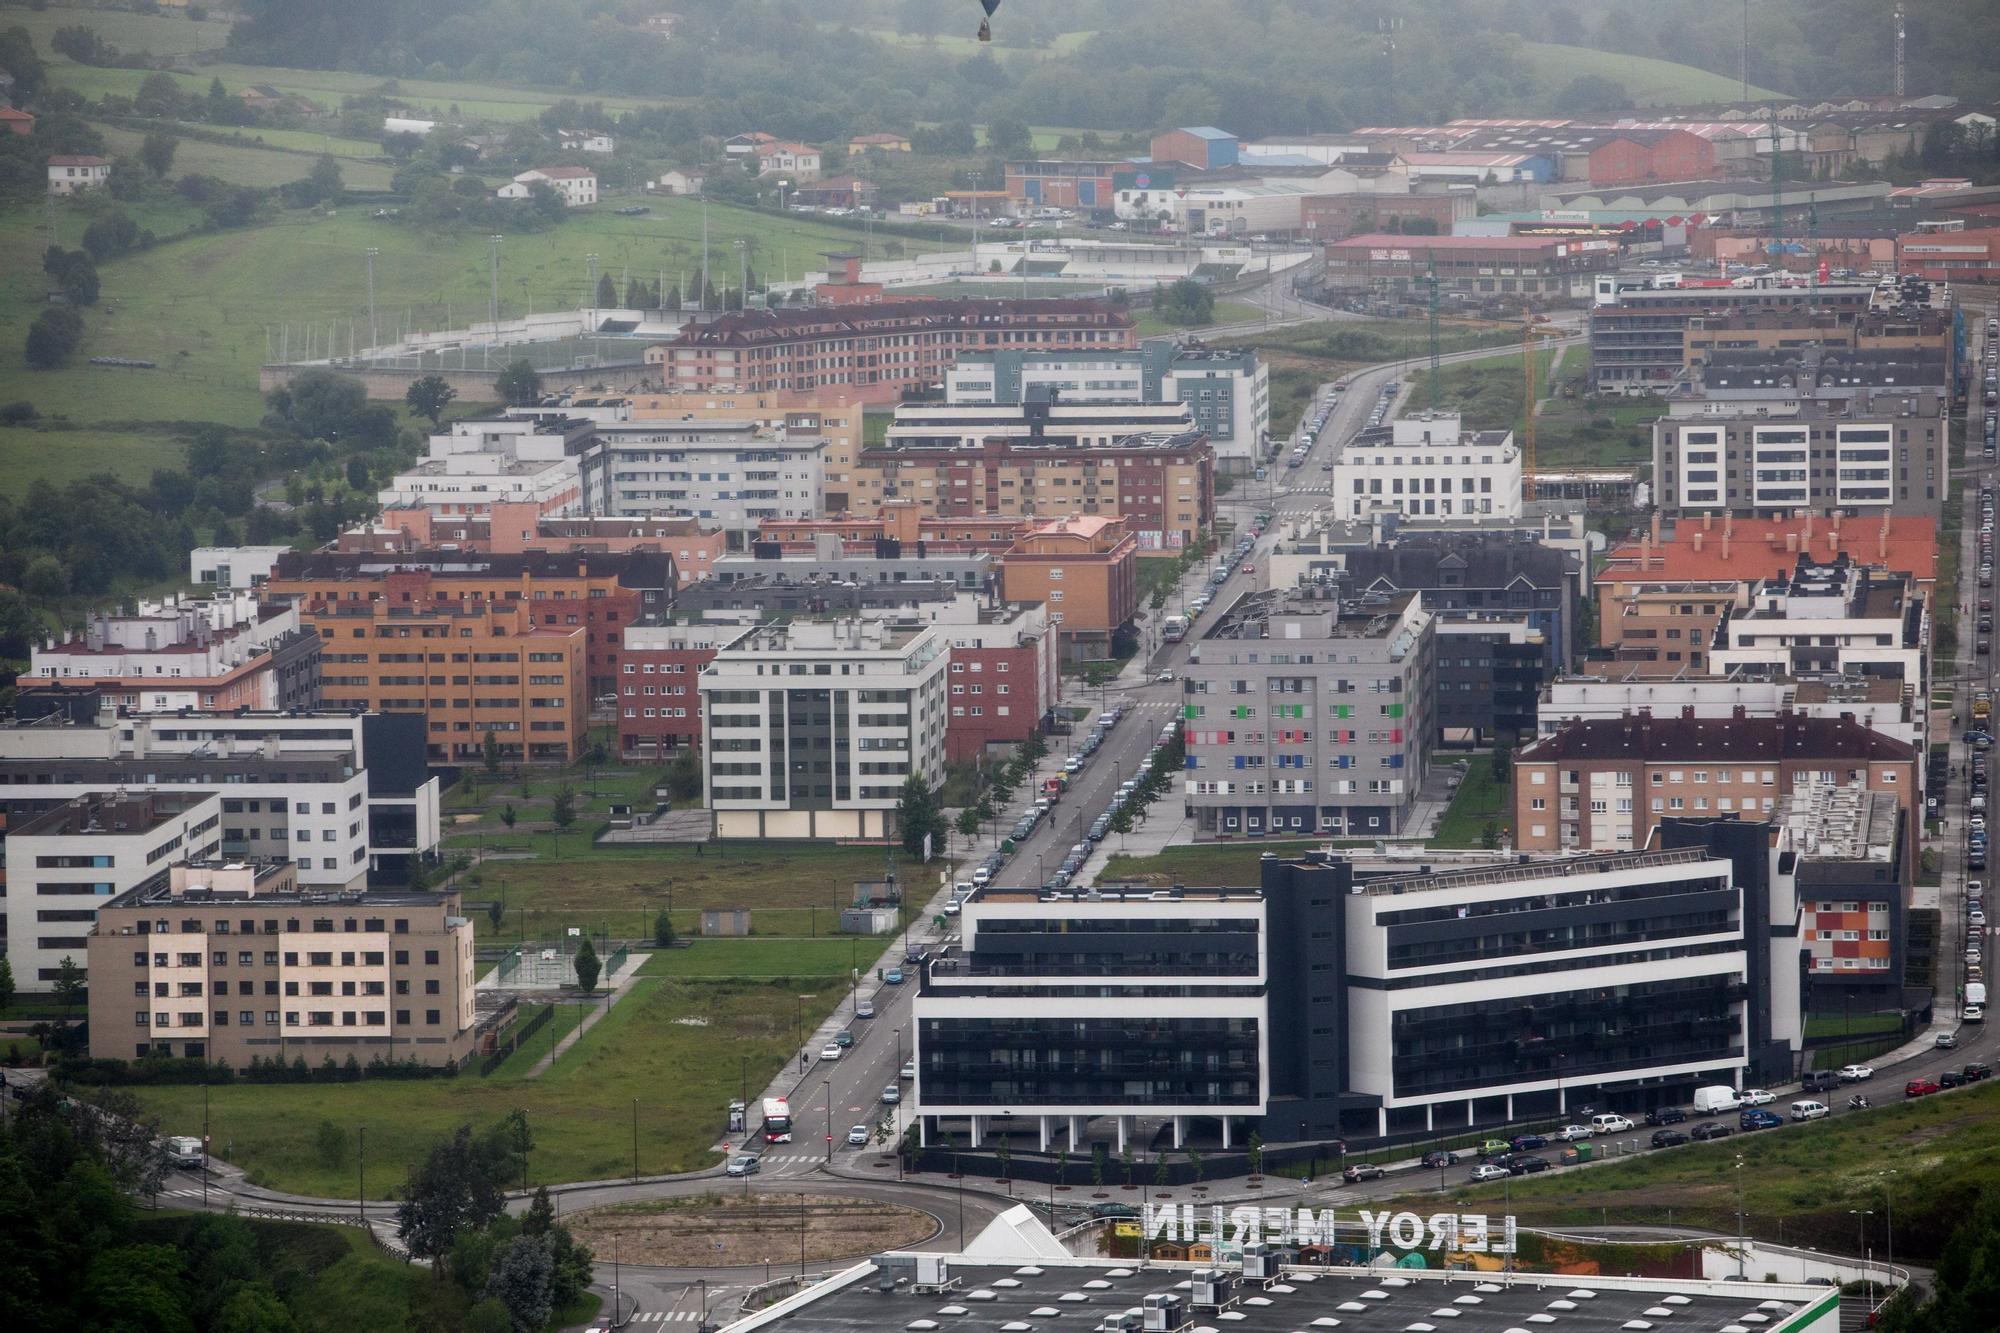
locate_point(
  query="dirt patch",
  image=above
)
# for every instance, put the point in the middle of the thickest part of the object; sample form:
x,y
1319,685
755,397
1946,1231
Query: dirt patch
x,y
716,1229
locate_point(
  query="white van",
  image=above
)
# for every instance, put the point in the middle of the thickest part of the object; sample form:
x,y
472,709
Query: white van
x,y
1975,993
1808,1110
1711,1100
1610,1124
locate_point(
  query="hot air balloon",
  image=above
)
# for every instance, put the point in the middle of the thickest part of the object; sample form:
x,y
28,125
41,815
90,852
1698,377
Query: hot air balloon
x,y
986,28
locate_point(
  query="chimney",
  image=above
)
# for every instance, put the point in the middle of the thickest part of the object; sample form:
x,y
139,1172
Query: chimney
x,y
1656,526
1831,540
1791,543
1687,710
1706,520
1725,543
1697,543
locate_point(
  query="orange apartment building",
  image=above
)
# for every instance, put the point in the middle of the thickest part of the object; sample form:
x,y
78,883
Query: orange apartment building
x,y
1660,630
900,521
473,667
1164,489
1601,785
1085,570
833,413
605,594
879,351
514,529
1718,547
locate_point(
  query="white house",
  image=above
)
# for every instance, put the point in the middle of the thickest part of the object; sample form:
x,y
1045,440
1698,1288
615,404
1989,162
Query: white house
x,y
69,173
1427,466
585,141
576,185
677,182
404,125
797,160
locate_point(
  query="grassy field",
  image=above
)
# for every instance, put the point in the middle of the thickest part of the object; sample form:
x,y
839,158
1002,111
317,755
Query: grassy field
x,y
1203,865
1226,312
1646,81
1481,799
1797,1185
671,1048
248,164
768,959
63,456
156,34
199,306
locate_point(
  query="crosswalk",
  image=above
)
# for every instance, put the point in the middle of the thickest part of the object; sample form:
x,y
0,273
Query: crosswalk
x,y
180,1194
667,1317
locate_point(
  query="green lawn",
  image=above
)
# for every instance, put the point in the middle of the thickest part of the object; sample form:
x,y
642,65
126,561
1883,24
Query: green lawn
x,y
63,456
200,306
671,1047
161,34
247,164
1203,865
1481,799
1855,1025
1226,312
1646,81
777,959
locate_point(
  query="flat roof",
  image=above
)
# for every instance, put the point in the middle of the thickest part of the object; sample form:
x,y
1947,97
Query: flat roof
x,y
1048,1295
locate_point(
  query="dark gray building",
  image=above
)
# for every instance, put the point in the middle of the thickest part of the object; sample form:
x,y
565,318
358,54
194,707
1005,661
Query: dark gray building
x,y
1491,667
1512,576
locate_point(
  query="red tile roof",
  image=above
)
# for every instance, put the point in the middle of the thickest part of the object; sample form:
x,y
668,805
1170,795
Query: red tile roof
x,y
1758,548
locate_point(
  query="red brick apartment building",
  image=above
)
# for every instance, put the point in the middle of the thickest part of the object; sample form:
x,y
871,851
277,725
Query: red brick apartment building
x,y
511,529
659,691
1002,679
1601,785
879,351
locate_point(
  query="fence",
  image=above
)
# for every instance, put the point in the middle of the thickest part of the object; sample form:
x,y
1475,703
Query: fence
x,y
616,961
514,1043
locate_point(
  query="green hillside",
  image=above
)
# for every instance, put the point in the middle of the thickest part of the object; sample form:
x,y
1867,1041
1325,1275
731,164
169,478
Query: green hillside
x,y
1647,81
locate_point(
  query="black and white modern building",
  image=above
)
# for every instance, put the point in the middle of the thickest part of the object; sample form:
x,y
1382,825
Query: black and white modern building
x,y
1321,1004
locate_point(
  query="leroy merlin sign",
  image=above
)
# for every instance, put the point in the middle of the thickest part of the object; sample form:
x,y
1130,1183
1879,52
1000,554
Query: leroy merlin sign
x,y
1473,1233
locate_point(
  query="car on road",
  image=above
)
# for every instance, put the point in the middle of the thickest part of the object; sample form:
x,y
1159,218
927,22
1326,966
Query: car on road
x,y
1488,1171
1610,1124
1750,1120
1920,1087
1977,1071
893,977
1946,1040
909,1069
1973,1013
1668,1138
1711,1129
831,1051
1527,1166
1527,1142
743,1164
1756,1097
1856,1073
1493,1148
1440,1158
1952,1078
864,1008
1574,1133
1665,1115
891,1095
1164,678
843,1038
1361,1171
857,1137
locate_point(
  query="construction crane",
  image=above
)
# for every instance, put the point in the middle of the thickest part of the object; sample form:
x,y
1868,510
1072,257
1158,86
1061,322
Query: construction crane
x,y
1431,279
1528,407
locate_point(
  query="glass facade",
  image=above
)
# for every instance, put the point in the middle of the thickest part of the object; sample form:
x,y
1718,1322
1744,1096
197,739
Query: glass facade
x,y
1110,1062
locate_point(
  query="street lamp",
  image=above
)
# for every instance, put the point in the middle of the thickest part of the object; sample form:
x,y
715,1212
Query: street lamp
x,y
783,185
1742,1259
1861,1216
1889,1205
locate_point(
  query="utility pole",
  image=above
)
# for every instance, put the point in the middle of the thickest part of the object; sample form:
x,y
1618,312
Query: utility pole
x,y
1431,278
1899,48
493,297
1743,53
591,299
373,339
701,302
1777,192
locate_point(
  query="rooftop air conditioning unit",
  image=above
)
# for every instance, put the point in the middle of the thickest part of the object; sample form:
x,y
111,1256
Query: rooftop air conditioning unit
x,y
1162,1312
1211,1287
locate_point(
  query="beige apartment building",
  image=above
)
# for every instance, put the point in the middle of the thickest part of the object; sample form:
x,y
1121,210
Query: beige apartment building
x,y
1662,629
221,960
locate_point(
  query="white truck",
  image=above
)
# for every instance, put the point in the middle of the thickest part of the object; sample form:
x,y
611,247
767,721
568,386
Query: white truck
x,y
1715,1100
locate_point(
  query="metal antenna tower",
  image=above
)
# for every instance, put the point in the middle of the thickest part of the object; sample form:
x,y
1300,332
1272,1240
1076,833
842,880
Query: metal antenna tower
x,y
1900,68
1431,279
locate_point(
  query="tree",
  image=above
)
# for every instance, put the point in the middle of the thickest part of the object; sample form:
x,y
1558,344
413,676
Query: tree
x,y
517,384
607,290
1004,1155
1588,93
489,1316
496,911
324,182
1256,1153
448,1193
330,1145
919,817
74,273
69,985
428,396
519,1279
1009,137
508,815
489,755
46,580
684,776
253,1308
587,965
6,985
420,875
562,813
157,152
663,936
968,822
112,235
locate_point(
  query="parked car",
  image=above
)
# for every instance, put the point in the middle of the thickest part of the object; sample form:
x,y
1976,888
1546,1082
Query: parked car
x,y
831,1051
1920,1087
1856,1073
1977,1071
1946,1040
1574,1133
743,1164
1361,1171
1438,1158
1711,1129
1527,1166
1610,1123
1666,1115
909,1069
1488,1171
1493,1148
1756,1097
857,1137
1951,1078
1760,1120
891,1095
843,1038
1668,1138
893,977
1528,1142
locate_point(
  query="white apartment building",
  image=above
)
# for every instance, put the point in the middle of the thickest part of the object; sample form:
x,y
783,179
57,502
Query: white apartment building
x,y
1428,466
479,463
188,652
813,726
1830,618
66,862
233,566
1085,425
728,474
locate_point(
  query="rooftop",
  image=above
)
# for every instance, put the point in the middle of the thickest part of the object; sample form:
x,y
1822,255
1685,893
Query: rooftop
x,y
1788,736
99,813
769,326
1010,1295
1831,823
1766,548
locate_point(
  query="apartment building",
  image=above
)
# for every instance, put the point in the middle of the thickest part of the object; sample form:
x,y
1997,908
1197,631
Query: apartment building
x,y
834,415
230,960
576,186
1085,570
659,690
1479,574
232,567
1723,547
1428,465
1660,630
814,726
1595,785
971,571
880,351
1490,669
1044,414
1003,674
901,525
515,529
1162,486
66,862
1484,267
732,475
233,651
1831,618
1891,707
1639,339
1853,876
1328,1001
1309,714
346,796
603,593
512,459
1227,391
471,668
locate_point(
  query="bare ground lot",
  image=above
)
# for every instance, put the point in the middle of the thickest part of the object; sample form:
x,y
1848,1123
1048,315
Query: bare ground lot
x,y
723,1228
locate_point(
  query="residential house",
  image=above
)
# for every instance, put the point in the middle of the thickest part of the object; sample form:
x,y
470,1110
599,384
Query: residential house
x,y
70,172
880,143
785,158
576,185
585,141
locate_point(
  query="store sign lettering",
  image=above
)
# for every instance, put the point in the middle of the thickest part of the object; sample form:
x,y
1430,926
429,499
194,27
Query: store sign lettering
x,y
1473,1233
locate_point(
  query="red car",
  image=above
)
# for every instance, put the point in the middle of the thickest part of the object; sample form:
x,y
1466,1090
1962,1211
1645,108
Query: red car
x,y
1920,1087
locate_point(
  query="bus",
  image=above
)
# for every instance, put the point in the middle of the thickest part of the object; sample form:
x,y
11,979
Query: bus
x,y
1173,629
777,1120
